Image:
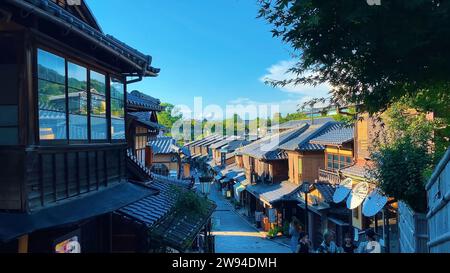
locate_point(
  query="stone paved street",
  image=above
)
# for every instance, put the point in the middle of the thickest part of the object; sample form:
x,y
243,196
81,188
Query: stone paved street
x,y
236,235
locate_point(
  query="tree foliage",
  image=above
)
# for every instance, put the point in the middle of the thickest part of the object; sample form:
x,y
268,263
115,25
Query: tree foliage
x,y
169,116
407,154
372,55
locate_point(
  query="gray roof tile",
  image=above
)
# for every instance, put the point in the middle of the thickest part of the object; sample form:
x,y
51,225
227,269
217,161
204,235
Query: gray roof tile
x,y
303,141
272,193
146,102
337,135
268,148
164,145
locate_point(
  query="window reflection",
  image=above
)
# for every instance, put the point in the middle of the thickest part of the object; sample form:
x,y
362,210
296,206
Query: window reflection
x,y
98,106
51,92
117,110
78,108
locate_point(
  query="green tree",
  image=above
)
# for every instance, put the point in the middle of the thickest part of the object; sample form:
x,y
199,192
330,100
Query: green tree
x,y
372,55
406,155
169,116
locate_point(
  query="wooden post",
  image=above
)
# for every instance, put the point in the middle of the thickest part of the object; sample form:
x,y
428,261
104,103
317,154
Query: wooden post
x,y
148,156
23,244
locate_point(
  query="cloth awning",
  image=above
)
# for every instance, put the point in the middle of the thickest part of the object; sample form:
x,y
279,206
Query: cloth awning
x,y
14,225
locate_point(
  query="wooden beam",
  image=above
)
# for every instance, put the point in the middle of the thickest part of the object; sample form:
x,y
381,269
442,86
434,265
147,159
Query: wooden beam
x,y
23,245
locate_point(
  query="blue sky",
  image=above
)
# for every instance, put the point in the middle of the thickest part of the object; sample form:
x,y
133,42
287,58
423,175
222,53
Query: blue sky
x,y
214,49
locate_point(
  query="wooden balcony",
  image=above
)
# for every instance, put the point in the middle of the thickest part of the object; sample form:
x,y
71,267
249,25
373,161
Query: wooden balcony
x,y
44,176
331,177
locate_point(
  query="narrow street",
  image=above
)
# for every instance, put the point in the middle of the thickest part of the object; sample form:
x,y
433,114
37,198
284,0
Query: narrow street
x,y
236,235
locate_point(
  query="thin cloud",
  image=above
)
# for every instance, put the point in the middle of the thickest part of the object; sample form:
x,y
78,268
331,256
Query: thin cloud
x,y
280,72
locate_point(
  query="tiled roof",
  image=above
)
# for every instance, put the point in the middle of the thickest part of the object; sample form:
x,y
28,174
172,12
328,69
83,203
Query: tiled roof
x,y
209,142
164,145
339,134
222,143
153,208
145,102
231,171
326,190
268,148
302,141
179,229
184,183
144,118
272,193
298,123
58,15
358,170
236,144
203,140
158,214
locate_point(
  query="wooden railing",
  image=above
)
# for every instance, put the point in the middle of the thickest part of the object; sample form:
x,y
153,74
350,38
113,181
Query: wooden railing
x,y
131,155
329,176
54,174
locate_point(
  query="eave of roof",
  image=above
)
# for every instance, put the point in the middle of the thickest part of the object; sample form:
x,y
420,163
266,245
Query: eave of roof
x,y
49,10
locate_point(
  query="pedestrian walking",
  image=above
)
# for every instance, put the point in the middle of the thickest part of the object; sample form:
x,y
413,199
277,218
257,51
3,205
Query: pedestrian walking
x,y
304,244
371,244
294,231
328,245
349,246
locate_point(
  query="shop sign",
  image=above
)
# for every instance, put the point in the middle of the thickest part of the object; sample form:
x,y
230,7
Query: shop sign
x,y
69,244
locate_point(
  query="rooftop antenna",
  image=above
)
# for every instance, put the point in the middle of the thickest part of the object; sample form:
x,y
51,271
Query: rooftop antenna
x,y
312,112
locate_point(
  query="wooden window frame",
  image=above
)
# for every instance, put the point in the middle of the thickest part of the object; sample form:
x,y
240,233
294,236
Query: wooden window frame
x,y
108,76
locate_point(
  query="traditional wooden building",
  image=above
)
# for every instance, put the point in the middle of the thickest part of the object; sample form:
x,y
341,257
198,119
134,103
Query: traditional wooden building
x,y
267,170
326,149
62,127
143,123
166,158
369,207
224,152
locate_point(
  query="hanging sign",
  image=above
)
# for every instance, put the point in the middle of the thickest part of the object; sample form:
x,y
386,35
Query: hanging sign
x,y
69,244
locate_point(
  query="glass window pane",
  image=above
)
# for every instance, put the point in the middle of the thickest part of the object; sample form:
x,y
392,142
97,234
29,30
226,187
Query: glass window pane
x,y
330,157
336,166
52,96
78,108
349,160
117,110
342,159
330,165
51,67
77,76
98,106
98,83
